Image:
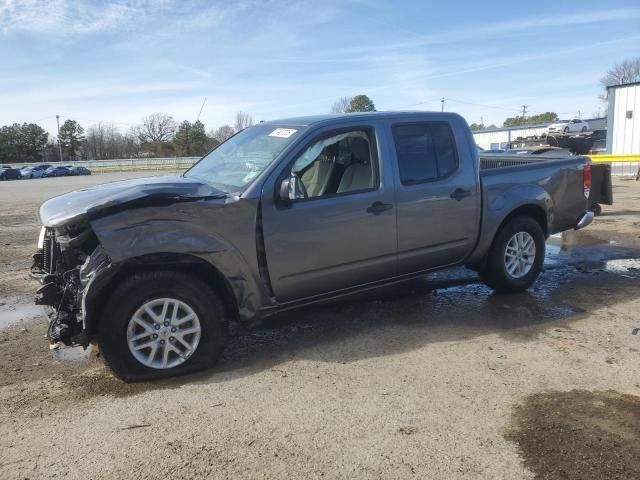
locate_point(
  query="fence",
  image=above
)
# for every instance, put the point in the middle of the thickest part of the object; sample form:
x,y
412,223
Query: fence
x,y
131,164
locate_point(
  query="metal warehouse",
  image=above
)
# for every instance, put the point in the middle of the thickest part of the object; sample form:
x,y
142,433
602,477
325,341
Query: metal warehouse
x,y
623,126
501,138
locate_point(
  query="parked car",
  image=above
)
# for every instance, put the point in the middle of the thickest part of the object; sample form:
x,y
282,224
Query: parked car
x,y
10,173
34,171
569,126
79,170
286,214
56,171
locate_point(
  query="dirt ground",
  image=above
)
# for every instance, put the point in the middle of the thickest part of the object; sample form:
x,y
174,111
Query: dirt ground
x,y
419,381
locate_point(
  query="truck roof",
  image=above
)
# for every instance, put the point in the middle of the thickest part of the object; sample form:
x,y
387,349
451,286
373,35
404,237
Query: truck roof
x,y
329,118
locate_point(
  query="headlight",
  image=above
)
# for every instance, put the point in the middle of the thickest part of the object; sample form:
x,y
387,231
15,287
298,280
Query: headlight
x,y
41,238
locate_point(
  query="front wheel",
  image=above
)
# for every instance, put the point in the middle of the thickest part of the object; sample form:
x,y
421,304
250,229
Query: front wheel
x,y
516,256
160,324
584,129
566,130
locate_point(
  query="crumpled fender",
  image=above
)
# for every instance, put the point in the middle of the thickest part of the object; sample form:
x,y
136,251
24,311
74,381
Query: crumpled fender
x,y
187,228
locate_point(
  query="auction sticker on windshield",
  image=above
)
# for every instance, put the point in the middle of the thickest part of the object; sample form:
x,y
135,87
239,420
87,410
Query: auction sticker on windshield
x,y
282,132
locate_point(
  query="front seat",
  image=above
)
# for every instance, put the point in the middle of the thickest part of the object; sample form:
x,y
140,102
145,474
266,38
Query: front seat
x,y
358,175
317,177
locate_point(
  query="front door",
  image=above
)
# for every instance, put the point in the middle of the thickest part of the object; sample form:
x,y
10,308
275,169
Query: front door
x,y
341,231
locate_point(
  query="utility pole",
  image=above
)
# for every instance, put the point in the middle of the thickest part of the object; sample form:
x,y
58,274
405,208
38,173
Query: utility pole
x,y
59,143
524,112
442,102
579,115
481,120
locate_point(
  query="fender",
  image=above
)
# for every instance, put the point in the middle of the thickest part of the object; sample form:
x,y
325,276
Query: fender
x,y
178,234
501,202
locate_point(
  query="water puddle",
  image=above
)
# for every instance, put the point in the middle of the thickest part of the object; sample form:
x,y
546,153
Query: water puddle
x,y
623,265
14,310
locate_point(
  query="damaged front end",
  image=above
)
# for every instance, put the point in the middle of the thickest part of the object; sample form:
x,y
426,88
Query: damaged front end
x,y
68,260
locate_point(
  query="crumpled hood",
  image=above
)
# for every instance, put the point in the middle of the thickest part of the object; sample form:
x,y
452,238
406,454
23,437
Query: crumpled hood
x,y
559,124
100,200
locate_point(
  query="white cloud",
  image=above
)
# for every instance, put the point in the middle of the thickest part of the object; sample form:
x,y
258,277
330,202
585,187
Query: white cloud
x,y
64,17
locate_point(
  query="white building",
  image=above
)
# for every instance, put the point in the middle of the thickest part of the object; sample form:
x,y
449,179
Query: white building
x,y
500,138
623,126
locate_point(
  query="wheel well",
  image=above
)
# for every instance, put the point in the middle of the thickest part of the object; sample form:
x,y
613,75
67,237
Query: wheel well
x,y
533,211
189,264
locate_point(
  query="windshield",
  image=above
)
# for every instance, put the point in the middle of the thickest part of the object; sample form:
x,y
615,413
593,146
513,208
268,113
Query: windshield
x,y
243,157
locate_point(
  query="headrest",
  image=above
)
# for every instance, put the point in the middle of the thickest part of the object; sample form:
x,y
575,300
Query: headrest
x,y
360,150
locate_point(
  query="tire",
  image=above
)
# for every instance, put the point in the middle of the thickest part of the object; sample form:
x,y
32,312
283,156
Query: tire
x,y
584,129
596,208
566,130
143,288
495,274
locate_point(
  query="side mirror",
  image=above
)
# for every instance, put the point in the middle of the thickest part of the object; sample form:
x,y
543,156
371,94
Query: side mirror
x,y
290,189
285,186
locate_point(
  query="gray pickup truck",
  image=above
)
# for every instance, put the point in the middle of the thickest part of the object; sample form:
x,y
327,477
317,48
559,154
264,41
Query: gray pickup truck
x,y
285,214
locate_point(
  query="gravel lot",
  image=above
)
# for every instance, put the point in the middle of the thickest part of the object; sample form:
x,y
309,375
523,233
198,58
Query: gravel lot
x,y
419,381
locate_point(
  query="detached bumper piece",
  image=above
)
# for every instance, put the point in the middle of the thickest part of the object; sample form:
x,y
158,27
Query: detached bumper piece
x,y
585,220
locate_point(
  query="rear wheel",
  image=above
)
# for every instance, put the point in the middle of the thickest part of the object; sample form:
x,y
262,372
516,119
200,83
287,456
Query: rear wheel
x,y
584,129
516,256
596,208
161,324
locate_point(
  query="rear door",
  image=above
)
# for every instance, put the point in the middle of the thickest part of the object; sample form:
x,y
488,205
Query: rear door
x,y
343,234
437,193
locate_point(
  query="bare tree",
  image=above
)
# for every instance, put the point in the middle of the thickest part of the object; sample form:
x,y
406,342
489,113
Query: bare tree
x,y
625,72
222,133
243,120
156,131
103,141
341,105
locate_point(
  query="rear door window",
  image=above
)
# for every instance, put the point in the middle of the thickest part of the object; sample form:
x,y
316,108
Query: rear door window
x,y
425,152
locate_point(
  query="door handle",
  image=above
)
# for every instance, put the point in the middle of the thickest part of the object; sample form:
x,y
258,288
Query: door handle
x,y
460,193
378,207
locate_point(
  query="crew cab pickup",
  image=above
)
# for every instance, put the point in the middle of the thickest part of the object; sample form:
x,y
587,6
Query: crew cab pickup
x,y
290,213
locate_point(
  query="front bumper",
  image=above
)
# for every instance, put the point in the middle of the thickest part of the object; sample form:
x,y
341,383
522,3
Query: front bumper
x,y
585,220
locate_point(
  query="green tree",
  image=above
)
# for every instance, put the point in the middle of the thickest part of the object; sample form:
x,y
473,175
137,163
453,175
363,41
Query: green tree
x,y
191,140
546,117
33,139
361,103
10,143
477,126
71,138
22,143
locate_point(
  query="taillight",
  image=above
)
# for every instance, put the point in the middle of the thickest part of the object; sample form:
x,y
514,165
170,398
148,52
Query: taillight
x,y
586,180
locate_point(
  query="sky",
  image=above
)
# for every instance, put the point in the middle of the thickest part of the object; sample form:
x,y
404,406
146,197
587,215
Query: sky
x,y
118,61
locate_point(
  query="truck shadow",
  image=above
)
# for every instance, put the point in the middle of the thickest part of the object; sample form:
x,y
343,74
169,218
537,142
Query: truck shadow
x,y
441,308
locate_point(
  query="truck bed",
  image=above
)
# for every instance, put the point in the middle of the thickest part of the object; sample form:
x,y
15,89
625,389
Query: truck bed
x,y
554,183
